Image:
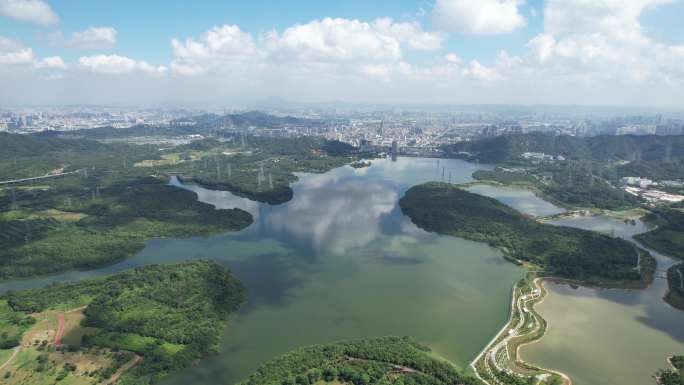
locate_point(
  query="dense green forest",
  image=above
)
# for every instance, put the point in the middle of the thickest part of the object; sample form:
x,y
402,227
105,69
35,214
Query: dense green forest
x,y
172,315
94,228
668,237
381,361
563,251
674,376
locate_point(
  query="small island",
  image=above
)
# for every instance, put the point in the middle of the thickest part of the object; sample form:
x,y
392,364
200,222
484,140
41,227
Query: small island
x,y
360,164
386,360
135,327
567,252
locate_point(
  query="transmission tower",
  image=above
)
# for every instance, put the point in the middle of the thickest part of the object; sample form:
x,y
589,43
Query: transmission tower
x,y
15,206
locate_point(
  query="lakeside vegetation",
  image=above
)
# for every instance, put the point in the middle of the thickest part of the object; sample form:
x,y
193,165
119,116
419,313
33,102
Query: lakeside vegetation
x,y
674,376
118,198
170,315
381,361
563,251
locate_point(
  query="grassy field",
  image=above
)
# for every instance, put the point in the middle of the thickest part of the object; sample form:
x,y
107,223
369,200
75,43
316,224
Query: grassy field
x,y
38,362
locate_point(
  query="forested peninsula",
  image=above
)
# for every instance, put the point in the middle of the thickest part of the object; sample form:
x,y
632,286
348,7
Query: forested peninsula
x,y
561,251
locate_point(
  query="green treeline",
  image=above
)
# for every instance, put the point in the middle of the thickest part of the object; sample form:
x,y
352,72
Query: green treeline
x,y
382,361
171,314
563,251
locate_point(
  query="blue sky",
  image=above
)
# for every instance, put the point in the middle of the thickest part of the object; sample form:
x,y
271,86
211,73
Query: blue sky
x,y
502,44
147,31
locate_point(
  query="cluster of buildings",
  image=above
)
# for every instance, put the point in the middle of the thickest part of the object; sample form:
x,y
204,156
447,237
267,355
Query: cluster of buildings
x,y
644,188
541,157
35,119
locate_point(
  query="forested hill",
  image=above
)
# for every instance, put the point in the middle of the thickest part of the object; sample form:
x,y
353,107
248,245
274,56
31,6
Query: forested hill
x,y
16,145
601,148
387,361
248,119
564,251
171,315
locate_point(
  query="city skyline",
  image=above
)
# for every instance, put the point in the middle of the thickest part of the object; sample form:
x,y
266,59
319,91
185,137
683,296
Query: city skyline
x,y
621,53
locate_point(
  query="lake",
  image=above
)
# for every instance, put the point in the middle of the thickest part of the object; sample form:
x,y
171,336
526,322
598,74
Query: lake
x,y
341,261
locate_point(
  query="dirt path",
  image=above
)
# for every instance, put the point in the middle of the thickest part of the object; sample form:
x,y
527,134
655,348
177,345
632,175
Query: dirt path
x,y
60,330
115,377
14,354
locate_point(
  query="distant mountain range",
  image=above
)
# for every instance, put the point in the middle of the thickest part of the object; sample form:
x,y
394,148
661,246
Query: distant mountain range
x,y
248,119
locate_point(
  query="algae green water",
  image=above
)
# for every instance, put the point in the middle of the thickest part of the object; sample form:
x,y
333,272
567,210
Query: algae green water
x,y
341,261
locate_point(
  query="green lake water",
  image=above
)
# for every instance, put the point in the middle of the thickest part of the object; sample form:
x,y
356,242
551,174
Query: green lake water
x,y
341,261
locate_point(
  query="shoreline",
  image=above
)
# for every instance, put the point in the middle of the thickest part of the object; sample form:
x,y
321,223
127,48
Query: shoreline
x,y
487,366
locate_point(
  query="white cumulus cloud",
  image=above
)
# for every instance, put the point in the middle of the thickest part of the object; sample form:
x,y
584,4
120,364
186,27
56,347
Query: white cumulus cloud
x,y
93,37
13,53
479,17
33,11
118,65
107,64
52,62
220,48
